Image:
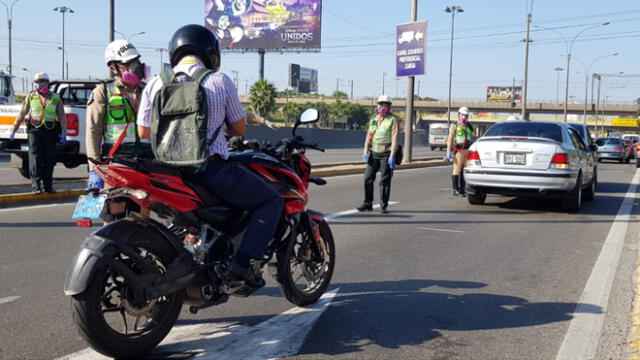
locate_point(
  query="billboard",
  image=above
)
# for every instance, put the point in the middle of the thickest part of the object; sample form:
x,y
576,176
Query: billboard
x,y
265,24
510,94
411,40
302,79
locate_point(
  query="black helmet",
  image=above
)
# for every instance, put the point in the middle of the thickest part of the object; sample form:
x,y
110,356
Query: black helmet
x,y
195,40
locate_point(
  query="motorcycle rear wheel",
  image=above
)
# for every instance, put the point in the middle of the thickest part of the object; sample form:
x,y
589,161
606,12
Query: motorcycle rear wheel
x,y
303,276
103,315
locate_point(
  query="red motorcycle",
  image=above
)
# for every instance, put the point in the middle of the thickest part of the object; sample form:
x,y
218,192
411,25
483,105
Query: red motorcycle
x,y
129,279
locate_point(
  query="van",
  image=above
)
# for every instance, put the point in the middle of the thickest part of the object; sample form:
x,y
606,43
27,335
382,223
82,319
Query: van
x,y
438,134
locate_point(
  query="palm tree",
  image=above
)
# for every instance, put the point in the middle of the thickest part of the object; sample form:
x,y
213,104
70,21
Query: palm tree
x,y
263,97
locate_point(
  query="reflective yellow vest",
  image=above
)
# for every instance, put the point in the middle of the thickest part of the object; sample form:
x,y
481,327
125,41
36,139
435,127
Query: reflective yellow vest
x,y
43,116
119,113
381,141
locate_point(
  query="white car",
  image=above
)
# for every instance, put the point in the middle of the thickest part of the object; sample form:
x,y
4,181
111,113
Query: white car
x,y
531,158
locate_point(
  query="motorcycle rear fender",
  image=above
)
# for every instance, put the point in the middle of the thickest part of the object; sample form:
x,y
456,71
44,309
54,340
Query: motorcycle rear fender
x,y
94,251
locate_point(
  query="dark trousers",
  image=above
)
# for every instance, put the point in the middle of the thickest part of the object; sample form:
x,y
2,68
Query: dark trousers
x,y
378,161
42,147
240,187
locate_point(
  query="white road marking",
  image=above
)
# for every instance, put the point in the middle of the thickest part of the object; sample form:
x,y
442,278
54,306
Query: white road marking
x,y
445,230
582,338
278,337
8,299
36,207
352,211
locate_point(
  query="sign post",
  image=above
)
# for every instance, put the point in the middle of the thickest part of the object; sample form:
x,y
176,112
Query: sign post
x,y
410,61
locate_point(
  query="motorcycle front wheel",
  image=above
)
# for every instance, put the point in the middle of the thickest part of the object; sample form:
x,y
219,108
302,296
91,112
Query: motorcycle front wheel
x,y
110,322
303,272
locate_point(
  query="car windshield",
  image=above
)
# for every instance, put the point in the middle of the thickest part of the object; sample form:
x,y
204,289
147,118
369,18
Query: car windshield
x,y
608,141
439,131
526,129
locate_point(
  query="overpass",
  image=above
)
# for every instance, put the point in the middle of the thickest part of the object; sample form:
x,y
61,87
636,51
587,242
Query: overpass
x,y
622,110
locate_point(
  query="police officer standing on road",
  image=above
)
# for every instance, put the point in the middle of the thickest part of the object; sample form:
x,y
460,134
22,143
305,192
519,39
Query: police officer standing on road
x,y
459,141
380,147
46,125
111,112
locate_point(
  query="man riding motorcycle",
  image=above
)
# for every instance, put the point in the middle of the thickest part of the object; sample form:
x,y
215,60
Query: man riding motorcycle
x,y
193,47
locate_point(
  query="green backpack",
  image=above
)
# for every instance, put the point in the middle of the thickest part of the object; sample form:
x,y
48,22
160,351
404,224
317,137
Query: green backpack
x,y
179,122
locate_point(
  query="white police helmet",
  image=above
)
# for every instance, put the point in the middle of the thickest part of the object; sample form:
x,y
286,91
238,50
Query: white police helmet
x,y
464,111
40,76
121,51
384,99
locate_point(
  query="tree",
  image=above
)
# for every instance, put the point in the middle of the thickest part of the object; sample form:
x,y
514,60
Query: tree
x,y
291,112
339,95
263,97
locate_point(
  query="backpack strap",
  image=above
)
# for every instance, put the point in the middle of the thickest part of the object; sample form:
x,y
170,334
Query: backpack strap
x,y
167,76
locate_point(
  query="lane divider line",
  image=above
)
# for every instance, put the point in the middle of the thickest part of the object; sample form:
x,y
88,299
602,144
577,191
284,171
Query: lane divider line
x,y
583,337
8,299
353,211
445,230
281,336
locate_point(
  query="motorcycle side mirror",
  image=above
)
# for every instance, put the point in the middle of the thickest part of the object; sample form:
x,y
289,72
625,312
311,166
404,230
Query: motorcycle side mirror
x,y
309,116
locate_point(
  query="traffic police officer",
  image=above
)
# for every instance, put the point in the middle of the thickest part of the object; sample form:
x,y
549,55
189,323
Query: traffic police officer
x,y
112,109
46,125
380,148
459,140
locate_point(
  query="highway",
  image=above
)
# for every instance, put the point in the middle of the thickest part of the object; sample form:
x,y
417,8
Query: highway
x,y
436,278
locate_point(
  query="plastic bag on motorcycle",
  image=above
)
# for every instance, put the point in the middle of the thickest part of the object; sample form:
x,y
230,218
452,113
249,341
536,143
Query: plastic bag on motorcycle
x,y
179,122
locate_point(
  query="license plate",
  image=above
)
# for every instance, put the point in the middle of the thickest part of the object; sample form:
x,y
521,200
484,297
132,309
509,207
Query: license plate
x,y
89,207
515,159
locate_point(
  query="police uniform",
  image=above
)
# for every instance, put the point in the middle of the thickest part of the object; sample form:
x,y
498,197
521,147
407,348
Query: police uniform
x,y
459,141
111,109
45,120
382,140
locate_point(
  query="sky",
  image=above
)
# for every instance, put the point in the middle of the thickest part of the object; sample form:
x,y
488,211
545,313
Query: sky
x,y
358,44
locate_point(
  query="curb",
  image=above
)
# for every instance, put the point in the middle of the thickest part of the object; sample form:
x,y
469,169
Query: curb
x,y
30,199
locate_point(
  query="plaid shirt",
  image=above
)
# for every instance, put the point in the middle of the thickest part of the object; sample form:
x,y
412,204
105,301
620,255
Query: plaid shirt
x,y
222,100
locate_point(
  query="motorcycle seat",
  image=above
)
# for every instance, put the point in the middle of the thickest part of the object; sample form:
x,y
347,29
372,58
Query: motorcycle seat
x,y
207,197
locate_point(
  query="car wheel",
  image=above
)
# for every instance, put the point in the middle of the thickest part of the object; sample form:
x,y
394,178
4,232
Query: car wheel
x,y
599,160
477,199
590,192
638,162
621,160
572,201
626,161
433,148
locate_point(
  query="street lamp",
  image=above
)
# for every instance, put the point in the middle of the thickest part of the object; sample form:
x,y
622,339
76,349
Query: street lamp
x,y
30,76
453,10
9,17
526,60
587,70
161,50
558,70
136,34
66,55
383,76
63,10
569,48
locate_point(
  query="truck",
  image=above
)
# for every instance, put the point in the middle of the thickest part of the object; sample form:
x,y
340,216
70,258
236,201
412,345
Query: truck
x,y
438,133
7,96
74,95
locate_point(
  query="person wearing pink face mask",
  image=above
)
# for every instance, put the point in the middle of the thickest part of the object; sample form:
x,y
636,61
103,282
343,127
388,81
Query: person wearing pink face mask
x,y
45,118
460,139
380,148
111,113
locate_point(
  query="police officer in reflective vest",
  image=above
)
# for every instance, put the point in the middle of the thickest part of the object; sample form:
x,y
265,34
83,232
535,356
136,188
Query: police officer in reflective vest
x,y
112,109
46,125
459,140
380,148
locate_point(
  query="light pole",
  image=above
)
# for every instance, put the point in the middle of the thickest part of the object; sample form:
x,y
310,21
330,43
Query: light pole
x,y
63,10
558,70
66,54
383,76
526,60
30,77
453,10
161,50
587,70
9,19
235,79
569,45
136,34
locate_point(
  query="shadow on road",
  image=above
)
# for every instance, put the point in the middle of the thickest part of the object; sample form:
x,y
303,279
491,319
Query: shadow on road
x,y
393,314
36,224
